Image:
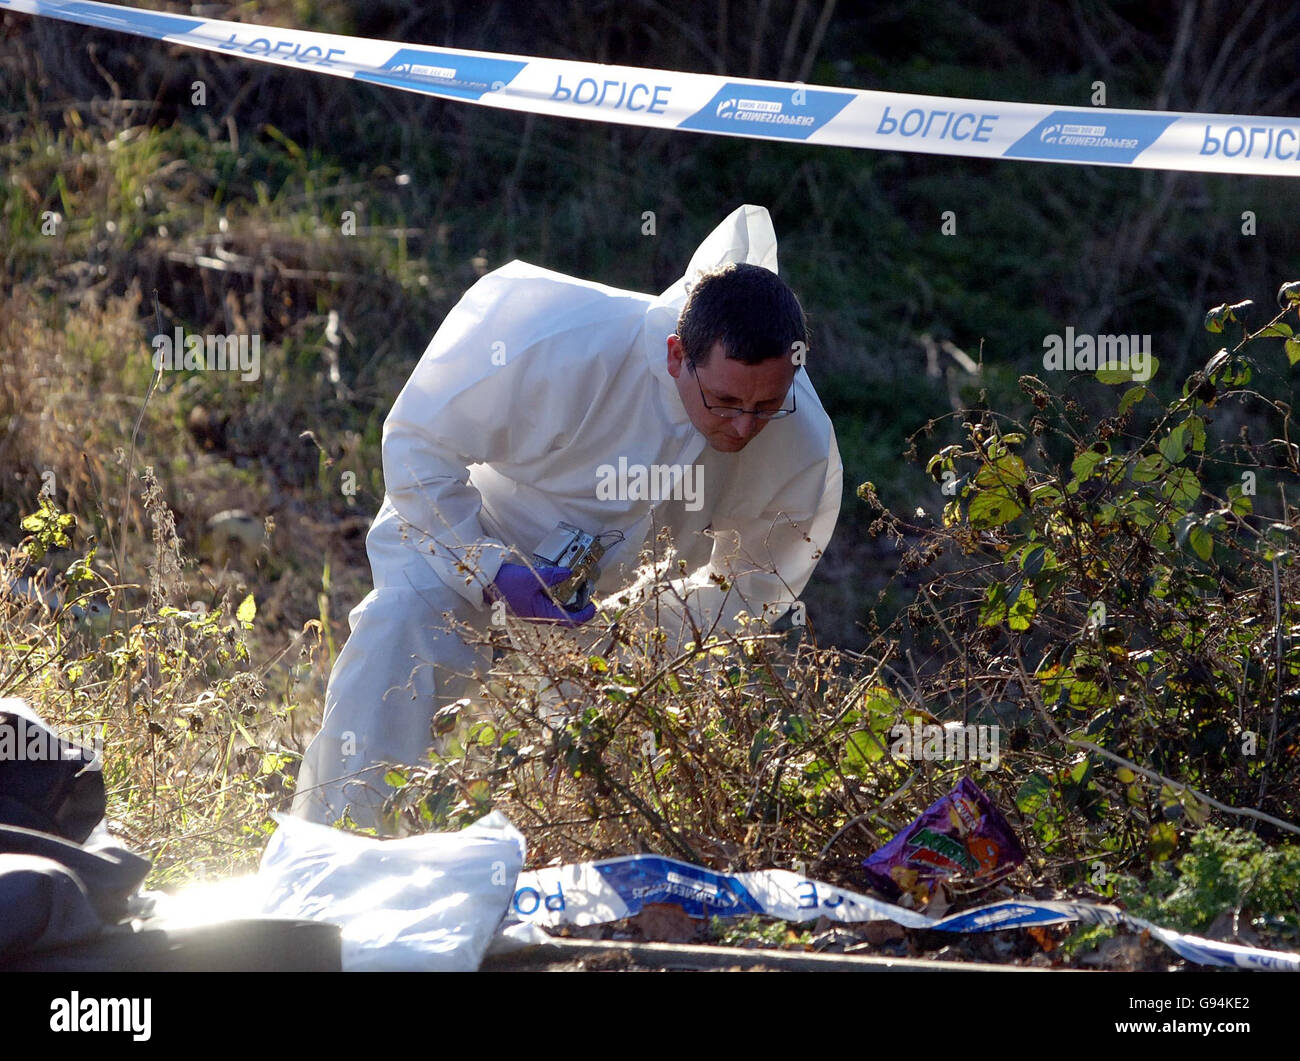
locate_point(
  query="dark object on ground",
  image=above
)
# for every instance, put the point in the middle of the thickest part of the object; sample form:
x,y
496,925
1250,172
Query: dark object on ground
x,y
59,882
70,895
268,946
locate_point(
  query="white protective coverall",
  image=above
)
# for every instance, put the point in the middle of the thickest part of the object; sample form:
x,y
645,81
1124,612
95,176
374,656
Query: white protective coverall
x,y
533,383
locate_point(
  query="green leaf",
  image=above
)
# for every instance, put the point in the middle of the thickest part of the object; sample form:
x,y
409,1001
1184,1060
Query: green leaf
x,y
247,611
1007,471
880,703
1141,511
860,750
1150,468
1035,795
49,528
80,570
1182,488
1131,397
1173,447
271,762
1217,318
1021,612
1164,841
1032,562
795,727
1272,330
1293,350
993,609
939,462
993,508
395,779
243,732
1128,375
1237,374
1086,463
1044,492
1201,540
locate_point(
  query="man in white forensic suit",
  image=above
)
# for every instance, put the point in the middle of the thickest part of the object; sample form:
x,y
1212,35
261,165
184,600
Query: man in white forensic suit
x,y
545,399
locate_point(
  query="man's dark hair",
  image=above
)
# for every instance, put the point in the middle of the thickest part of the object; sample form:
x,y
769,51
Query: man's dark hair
x,y
747,308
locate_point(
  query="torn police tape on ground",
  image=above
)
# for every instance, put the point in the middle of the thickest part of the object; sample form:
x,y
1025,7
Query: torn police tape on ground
x,y
592,893
708,103
439,901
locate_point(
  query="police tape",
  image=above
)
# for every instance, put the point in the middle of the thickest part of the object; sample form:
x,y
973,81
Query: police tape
x,y
710,103
592,893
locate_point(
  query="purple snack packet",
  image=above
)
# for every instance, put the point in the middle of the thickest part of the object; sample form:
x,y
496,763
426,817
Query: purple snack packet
x,y
960,835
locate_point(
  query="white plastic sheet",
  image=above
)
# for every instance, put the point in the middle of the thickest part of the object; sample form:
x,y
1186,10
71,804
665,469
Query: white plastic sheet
x,y
423,903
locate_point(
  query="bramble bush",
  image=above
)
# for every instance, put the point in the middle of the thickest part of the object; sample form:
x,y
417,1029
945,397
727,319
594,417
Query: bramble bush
x,y
1115,592
1123,610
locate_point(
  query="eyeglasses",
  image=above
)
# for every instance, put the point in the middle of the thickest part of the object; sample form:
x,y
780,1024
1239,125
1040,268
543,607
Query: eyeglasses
x,y
730,412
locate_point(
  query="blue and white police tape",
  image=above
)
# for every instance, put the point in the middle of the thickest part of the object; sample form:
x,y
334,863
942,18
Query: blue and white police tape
x,y
592,893
764,110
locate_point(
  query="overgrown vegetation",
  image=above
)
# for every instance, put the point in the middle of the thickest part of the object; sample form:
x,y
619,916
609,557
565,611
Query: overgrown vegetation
x,y
1130,633
1230,884
192,757
1105,583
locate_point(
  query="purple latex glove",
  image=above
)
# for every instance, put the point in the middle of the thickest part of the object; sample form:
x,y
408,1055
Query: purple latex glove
x,y
526,596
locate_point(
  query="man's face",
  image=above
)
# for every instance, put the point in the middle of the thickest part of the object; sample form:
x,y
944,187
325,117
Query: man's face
x,y
725,381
